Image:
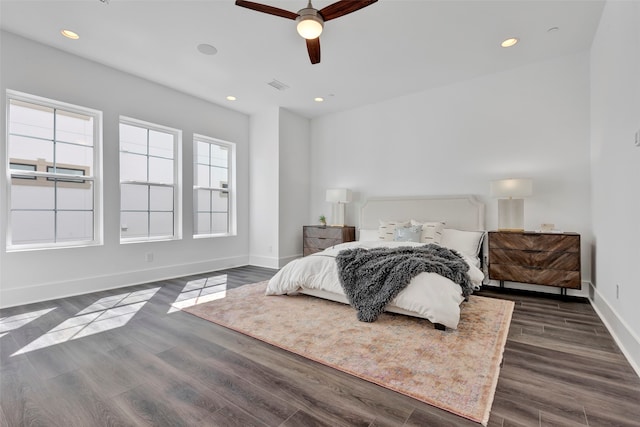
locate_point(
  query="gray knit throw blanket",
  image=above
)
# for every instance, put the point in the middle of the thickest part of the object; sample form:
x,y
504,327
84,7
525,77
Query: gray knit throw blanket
x,y
371,278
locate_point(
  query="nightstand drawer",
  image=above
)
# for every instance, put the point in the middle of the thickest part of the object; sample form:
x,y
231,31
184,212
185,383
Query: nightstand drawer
x,y
323,232
317,238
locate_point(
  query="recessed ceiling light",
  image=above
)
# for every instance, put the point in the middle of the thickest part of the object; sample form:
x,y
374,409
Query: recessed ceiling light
x,y
509,42
231,98
70,34
207,49
318,99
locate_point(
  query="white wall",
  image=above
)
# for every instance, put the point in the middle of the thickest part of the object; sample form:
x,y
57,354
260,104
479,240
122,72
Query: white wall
x,y
615,117
264,188
294,184
279,198
532,121
37,275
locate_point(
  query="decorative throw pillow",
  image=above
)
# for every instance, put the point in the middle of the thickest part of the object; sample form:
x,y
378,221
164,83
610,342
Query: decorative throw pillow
x,y
387,229
431,231
411,233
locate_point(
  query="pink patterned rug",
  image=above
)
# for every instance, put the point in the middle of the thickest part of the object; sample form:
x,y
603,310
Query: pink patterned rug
x,y
455,370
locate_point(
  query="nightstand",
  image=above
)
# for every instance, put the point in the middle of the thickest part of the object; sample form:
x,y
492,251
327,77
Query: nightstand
x,y
549,259
316,238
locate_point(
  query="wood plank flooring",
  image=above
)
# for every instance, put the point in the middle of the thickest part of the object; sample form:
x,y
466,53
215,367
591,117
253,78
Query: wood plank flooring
x,y
120,358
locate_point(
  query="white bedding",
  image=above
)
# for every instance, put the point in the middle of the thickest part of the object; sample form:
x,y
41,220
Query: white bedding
x,y
428,295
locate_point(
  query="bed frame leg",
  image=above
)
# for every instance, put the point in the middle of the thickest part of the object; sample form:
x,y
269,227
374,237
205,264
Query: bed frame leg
x,y
439,326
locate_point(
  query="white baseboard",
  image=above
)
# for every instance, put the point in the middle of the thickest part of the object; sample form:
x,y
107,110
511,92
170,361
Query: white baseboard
x,y
622,333
54,290
264,261
271,262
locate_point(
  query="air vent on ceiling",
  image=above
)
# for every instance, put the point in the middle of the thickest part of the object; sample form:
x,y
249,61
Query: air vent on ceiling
x,y
278,85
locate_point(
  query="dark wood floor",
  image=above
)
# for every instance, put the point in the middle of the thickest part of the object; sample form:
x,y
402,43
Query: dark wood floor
x,y
154,368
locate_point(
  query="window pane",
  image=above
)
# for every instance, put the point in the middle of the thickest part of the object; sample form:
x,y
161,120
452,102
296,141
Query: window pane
x,y
134,224
133,167
219,177
21,167
76,156
160,170
203,223
30,119
74,226
32,195
160,144
133,139
29,227
220,201
202,153
30,149
220,223
202,176
72,127
75,196
161,198
203,200
219,155
134,197
161,224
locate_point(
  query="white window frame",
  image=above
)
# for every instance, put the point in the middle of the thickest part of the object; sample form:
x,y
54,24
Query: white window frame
x,y
177,180
230,190
95,178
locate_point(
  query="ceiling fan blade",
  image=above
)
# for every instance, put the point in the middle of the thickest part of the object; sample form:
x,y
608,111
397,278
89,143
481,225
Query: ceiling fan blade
x,y
266,9
313,47
343,7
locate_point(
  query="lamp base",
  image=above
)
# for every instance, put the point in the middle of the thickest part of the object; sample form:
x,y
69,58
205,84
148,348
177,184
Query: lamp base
x,y
511,215
337,214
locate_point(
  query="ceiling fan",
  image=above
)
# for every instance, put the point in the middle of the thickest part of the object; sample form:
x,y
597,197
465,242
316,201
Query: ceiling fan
x,y
310,21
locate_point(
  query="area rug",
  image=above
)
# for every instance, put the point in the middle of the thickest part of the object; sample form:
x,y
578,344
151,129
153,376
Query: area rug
x,y
455,370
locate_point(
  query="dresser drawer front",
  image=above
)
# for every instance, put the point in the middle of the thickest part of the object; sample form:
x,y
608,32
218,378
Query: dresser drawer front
x,y
534,241
569,261
516,273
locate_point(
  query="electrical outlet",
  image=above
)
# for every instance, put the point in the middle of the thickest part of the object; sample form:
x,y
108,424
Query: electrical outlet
x,y
638,138
617,291
148,256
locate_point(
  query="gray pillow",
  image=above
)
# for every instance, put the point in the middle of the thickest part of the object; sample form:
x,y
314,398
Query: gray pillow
x,y
411,233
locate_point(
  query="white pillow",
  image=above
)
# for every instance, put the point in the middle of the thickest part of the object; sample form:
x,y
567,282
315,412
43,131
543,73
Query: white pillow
x,y
431,231
368,235
387,229
468,243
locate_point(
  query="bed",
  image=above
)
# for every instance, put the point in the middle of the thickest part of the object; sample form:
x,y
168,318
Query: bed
x,y
454,222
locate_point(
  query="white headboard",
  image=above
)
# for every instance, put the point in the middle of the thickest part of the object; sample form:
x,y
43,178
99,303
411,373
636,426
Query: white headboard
x,y
461,212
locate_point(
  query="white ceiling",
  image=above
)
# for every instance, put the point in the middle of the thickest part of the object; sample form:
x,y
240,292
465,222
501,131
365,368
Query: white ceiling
x,y
388,49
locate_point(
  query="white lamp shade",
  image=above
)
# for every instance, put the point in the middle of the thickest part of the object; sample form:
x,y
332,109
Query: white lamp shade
x,y
338,195
512,188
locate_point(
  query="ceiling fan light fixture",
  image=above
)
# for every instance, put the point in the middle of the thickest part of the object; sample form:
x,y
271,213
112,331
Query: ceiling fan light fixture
x,y
309,24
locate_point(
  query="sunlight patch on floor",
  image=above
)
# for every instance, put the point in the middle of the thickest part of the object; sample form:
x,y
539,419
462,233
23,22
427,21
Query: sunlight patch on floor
x,y
199,291
105,314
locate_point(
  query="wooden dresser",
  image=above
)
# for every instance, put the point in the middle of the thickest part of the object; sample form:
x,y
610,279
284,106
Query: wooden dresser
x,y
316,238
550,259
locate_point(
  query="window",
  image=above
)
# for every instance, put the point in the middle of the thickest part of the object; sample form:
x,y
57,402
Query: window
x,y
54,161
213,189
149,181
